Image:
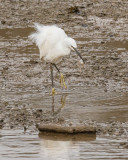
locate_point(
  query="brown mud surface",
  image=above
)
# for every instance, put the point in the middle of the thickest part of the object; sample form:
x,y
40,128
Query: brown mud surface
x,y
97,93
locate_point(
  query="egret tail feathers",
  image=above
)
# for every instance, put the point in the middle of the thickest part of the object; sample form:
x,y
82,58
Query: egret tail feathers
x,y
38,27
39,36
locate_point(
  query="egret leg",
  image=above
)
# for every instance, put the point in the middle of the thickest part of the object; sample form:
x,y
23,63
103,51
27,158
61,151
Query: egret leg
x,y
62,81
53,89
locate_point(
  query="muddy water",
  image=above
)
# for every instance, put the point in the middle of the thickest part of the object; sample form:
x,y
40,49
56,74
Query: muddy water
x,y
91,95
16,144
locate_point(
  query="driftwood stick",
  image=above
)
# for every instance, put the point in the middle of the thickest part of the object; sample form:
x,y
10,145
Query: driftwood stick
x,y
66,129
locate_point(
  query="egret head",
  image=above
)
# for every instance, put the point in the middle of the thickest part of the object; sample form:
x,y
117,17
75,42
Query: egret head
x,y
71,44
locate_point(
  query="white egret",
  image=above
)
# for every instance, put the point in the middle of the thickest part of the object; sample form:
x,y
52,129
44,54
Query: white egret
x,y
53,44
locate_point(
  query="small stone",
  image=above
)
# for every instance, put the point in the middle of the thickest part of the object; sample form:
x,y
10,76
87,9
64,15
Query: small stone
x,y
73,9
3,22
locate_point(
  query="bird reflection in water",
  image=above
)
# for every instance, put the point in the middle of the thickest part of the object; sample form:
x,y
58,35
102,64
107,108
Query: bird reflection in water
x,y
63,101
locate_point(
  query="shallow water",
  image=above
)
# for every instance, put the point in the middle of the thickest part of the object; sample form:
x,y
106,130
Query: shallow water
x,y
16,144
25,81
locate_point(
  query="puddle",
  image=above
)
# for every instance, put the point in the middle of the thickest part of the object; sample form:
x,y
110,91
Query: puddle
x,y
15,144
121,45
81,105
8,34
81,147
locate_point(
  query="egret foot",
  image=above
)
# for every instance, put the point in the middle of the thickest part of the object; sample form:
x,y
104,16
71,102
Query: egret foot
x,y
62,82
53,91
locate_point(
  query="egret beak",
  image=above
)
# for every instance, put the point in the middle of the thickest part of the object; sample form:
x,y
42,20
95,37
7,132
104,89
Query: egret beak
x,y
79,54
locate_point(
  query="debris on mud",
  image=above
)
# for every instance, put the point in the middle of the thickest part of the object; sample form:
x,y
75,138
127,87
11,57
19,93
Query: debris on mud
x,y
67,128
115,129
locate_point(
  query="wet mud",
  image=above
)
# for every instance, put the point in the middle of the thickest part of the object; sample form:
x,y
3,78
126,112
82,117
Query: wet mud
x,y
97,93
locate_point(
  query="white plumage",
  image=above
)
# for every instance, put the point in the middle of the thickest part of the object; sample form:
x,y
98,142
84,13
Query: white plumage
x,y
53,42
